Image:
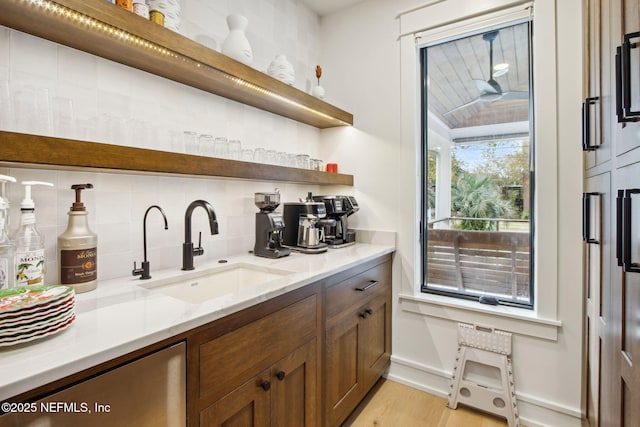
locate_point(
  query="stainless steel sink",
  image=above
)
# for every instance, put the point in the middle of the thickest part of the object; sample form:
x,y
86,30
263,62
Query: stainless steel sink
x,y
197,286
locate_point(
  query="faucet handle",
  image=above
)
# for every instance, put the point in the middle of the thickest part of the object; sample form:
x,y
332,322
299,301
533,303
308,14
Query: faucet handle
x,y
199,250
136,271
142,272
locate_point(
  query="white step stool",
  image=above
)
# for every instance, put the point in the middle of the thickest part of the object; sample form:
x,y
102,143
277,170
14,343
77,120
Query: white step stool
x,y
492,348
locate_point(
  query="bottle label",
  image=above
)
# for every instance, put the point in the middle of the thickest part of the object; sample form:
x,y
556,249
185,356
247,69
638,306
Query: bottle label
x,y
30,268
78,266
4,273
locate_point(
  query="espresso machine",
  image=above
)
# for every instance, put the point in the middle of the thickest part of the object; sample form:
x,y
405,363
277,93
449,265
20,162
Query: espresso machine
x,y
336,230
303,231
269,227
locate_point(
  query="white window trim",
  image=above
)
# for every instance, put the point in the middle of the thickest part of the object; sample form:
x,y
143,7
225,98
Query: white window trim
x,y
412,32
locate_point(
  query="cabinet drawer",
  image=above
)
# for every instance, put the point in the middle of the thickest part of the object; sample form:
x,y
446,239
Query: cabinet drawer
x,y
234,358
358,289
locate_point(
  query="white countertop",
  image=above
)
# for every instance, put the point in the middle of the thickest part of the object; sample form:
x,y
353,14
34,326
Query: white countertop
x,y
120,316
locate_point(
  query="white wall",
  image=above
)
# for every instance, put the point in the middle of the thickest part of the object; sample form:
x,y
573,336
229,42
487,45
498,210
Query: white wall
x,y
361,53
103,93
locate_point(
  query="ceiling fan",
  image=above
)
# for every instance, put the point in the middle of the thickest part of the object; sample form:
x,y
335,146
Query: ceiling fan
x,y
490,90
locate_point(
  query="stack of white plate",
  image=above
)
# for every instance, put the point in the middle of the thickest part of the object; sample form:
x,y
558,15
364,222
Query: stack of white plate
x,y
171,11
31,312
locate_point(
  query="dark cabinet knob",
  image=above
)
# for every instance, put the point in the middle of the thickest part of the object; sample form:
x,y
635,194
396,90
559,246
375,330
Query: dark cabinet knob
x,y
365,313
266,385
280,375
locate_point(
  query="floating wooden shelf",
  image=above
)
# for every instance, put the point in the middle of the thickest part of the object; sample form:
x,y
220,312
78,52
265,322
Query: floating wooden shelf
x,y
25,150
103,29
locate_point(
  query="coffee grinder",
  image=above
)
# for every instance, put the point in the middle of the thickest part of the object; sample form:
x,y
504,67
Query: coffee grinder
x,y
269,227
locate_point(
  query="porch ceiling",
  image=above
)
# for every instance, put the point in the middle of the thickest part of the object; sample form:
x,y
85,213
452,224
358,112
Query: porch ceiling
x,y
453,66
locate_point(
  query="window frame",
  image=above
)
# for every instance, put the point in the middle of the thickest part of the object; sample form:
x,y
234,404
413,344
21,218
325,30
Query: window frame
x,y
424,153
554,233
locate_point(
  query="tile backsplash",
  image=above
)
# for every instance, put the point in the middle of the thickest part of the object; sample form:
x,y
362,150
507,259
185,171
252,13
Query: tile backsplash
x,y
116,207
116,104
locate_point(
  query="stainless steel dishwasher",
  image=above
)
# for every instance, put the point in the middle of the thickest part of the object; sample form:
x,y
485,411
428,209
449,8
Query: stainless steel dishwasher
x,y
150,391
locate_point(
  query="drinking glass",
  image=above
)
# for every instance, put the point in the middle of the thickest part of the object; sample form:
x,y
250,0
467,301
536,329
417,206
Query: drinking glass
x,y
190,142
247,155
235,149
314,164
270,157
205,145
302,161
177,141
221,147
281,158
260,155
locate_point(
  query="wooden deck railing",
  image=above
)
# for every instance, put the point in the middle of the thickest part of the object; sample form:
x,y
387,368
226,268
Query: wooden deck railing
x,y
482,261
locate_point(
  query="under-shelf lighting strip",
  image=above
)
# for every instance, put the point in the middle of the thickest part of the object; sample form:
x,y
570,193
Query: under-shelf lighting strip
x,y
256,88
115,32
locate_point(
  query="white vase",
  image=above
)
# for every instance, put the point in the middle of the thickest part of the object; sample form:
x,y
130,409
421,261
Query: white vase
x,y
236,45
318,92
281,69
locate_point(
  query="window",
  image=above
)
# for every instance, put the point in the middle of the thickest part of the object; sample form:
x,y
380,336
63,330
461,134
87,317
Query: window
x,y
477,167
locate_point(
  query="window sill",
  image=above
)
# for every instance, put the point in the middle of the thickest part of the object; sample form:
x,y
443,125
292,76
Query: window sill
x,y
510,319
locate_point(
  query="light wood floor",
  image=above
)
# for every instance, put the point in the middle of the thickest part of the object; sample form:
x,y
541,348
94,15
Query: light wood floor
x,y
391,404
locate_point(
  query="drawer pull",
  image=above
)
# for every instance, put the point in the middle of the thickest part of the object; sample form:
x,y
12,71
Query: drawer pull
x,y
368,286
280,375
266,385
365,313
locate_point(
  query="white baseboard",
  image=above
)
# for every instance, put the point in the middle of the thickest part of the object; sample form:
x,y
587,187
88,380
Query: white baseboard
x,y
534,411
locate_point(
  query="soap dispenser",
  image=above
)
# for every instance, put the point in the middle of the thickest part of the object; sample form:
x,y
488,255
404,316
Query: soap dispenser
x,y
78,248
7,248
30,262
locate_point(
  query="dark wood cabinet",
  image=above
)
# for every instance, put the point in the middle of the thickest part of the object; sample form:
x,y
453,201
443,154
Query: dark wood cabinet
x,y
305,358
294,388
357,339
612,173
259,366
248,405
284,395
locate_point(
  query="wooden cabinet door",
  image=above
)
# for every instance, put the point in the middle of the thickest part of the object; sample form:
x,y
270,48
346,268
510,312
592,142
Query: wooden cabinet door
x,y
294,391
592,77
625,19
344,386
626,384
597,252
246,406
375,344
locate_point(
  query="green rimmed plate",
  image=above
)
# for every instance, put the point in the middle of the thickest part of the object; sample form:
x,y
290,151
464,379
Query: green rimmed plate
x,y
30,297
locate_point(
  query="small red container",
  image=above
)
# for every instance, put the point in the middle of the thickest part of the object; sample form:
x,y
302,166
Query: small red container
x,y
332,167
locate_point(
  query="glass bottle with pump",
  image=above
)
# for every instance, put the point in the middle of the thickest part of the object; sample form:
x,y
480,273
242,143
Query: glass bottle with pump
x,y
7,248
30,255
78,248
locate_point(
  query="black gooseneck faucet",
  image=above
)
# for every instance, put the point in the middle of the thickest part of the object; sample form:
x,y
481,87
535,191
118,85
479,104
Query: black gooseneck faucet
x,y
144,271
188,251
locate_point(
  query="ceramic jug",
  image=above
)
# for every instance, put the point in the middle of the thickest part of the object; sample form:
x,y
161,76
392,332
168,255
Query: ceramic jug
x,y
236,45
